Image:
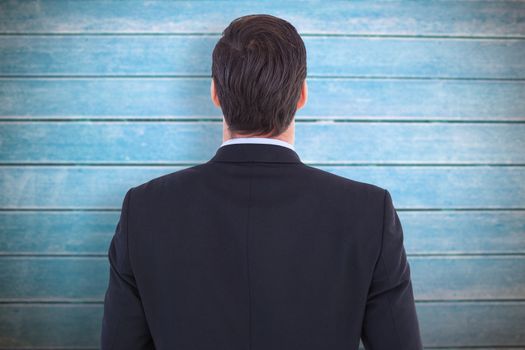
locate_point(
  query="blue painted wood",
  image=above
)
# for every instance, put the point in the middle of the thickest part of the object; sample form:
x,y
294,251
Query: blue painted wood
x,y
443,324
469,18
407,61
457,324
425,232
468,277
412,187
53,278
132,97
84,278
474,232
40,326
327,56
445,187
168,142
37,232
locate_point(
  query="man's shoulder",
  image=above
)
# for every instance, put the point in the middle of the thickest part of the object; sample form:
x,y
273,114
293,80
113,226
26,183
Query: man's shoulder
x,y
164,183
349,184
187,177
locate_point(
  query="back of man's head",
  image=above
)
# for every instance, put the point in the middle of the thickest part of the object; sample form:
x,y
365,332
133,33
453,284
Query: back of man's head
x,y
258,68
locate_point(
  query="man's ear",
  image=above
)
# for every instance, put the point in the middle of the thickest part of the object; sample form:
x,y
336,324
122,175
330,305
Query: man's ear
x,y
213,93
304,95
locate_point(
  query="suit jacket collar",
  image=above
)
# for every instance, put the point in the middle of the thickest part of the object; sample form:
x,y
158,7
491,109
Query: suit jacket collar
x,y
255,152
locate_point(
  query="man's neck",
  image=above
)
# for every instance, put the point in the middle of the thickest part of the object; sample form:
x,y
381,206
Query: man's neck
x,y
287,136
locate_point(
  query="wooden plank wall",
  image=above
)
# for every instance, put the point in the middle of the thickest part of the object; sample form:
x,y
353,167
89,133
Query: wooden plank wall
x,y
426,99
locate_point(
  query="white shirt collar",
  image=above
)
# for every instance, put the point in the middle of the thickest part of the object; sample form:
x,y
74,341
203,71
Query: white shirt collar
x,y
267,140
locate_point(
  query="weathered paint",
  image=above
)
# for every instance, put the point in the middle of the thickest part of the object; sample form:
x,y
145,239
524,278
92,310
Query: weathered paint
x,y
426,99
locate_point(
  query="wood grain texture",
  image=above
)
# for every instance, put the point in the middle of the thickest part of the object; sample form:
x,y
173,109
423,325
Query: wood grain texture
x,y
174,142
458,18
425,232
135,55
426,99
330,98
412,187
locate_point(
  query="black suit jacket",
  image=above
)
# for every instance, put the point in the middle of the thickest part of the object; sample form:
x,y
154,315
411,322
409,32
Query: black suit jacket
x,y
256,250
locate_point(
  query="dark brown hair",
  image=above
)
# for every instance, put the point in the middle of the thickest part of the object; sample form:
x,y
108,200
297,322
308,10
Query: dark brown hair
x,y
259,65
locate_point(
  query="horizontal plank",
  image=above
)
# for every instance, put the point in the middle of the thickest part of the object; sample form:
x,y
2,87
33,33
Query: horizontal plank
x,y
479,232
333,98
86,278
468,277
472,324
471,18
56,232
412,187
327,56
425,232
50,326
174,142
443,324
53,279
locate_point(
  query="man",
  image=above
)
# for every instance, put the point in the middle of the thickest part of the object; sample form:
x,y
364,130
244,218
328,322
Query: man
x,y
255,249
